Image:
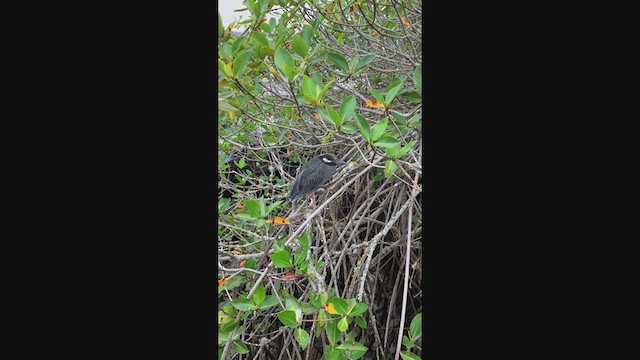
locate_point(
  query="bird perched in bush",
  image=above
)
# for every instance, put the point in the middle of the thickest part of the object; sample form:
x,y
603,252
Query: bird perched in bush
x,y
313,175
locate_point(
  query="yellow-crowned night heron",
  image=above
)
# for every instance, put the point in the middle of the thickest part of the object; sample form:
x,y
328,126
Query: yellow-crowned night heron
x,y
313,175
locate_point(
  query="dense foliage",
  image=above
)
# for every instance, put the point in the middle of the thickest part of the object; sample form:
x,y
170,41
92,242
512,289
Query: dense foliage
x,y
342,278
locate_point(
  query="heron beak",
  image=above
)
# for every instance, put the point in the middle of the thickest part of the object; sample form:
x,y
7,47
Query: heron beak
x,y
340,162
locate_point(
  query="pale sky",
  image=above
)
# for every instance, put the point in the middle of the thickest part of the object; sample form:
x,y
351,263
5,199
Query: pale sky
x,y
226,7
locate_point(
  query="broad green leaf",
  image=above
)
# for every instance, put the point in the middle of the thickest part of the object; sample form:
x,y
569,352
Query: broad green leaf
x,y
361,321
243,304
349,128
412,96
358,309
379,128
304,242
415,329
324,89
240,63
334,117
407,342
263,207
254,208
271,207
347,109
391,94
387,141
309,87
363,125
288,72
339,61
299,45
240,347
281,259
302,337
364,62
269,301
352,346
401,152
340,305
225,106
343,324
288,317
237,44
405,355
417,77
389,168
292,303
307,34
220,26
283,60
333,334
261,39
333,353
259,295
223,69
377,95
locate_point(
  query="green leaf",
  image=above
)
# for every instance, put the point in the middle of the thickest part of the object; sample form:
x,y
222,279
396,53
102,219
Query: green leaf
x,y
237,44
347,109
284,61
302,337
333,334
391,94
309,87
334,117
364,62
407,342
254,208
339,61
324,89
352,346
358,309
292,303
415,329
299,45
333,353
240,347
220,26
259,295
412,96
387,141
349,128
243,304
271,207
417,77
304,242
281,259
405,355
379,128
263,207
361,321
269,301
261,39
223,69
240,63
363,125
377,95
401,152
343,325
389,168
288,317
340,305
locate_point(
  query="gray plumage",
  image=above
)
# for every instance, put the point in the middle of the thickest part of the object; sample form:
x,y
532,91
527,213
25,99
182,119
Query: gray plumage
x,y
314,174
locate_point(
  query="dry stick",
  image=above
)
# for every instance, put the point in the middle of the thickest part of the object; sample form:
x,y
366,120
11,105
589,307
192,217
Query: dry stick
x,y
406,274
374,243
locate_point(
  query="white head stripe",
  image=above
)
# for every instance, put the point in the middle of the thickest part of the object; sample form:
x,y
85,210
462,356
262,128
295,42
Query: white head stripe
x,y
327,160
